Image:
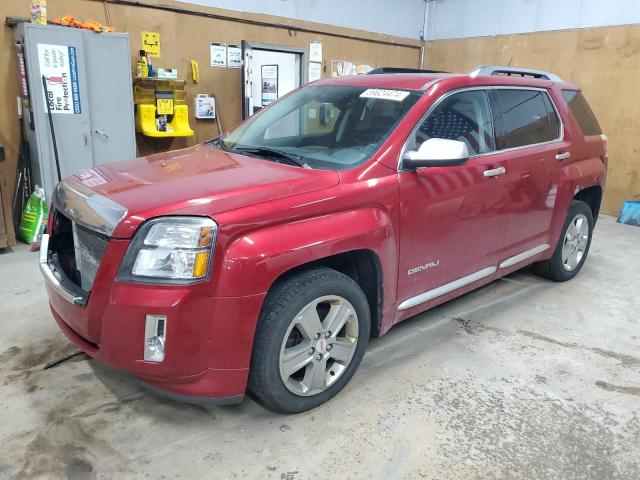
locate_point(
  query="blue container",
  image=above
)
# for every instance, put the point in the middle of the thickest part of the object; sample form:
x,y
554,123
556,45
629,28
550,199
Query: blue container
x,y
630,213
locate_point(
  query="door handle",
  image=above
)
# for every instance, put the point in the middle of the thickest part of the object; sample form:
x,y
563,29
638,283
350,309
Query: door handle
x,y
563,155
494,172
99,131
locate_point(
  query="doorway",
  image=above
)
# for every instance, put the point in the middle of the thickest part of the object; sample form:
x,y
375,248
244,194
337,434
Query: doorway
x,y
269,72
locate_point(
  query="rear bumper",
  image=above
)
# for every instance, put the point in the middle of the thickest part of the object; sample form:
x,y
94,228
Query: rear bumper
x,y
208,345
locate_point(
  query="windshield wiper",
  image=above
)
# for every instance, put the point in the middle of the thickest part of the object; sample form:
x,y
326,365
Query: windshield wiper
x,y
218,141
290,158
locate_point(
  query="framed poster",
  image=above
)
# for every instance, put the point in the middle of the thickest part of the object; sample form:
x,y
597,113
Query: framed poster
x,y
269,81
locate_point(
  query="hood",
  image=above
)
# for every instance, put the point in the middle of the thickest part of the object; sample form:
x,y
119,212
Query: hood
x,y
196,181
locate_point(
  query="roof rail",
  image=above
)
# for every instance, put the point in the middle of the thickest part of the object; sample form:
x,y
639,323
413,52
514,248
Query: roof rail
x,y
376,71
515,71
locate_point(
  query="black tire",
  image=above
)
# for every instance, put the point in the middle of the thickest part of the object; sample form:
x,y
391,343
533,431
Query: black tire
x,y
285,300
554,269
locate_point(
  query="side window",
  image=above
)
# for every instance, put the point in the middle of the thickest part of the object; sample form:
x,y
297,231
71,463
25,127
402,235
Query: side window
x,y
554,121
524,117
464,116
582,111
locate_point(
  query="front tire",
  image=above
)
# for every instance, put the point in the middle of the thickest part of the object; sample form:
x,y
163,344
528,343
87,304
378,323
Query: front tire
x,y
573,246
311,336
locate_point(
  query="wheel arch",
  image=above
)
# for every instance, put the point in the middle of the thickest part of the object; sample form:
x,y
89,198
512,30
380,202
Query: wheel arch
x,y
592,196
363,266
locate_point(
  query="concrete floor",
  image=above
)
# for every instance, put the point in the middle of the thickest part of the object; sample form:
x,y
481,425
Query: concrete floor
x,y
521,379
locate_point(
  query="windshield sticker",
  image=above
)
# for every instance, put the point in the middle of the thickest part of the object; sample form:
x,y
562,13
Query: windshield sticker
x,y
382,94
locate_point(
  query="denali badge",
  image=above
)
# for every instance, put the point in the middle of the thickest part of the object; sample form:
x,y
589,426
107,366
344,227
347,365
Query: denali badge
x,y
423,268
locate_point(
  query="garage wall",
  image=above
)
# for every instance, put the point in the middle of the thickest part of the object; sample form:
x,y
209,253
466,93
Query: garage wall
x,y
603,61
477,18
369,15
186,36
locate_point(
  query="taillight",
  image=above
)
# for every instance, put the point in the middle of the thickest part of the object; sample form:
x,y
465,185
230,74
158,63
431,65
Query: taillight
x,y
605,141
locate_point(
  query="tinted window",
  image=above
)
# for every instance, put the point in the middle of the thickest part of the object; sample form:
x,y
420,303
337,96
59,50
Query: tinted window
x,y
582,111
463,116
524,118
554,121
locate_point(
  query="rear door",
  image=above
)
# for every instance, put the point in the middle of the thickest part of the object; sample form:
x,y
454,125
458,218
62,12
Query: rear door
x,y
529,136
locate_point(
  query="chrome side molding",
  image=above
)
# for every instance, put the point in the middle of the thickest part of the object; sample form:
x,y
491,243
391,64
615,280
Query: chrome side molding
x,y
86,207
446,288
524,255
474,277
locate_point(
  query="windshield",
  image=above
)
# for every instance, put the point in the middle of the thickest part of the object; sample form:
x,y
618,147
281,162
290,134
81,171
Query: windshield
x,y
323,127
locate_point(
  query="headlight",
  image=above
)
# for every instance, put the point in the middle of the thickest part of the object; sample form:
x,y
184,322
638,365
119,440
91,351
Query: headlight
x,y
170,250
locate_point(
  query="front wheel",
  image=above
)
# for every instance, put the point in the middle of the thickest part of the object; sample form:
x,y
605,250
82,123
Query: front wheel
x,y
573,246
310,339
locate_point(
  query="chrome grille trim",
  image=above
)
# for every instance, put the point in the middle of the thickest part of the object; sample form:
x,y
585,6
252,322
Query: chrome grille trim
x,y
87,208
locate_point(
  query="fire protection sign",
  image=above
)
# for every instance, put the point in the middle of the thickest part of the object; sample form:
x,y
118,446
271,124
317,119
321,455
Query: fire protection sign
x,y
59,65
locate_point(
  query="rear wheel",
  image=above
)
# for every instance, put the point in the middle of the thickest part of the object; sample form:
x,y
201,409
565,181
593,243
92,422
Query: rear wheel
x,y
572,248
310,340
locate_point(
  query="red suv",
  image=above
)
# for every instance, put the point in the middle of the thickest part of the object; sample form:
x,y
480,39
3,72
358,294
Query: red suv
x,y
263,260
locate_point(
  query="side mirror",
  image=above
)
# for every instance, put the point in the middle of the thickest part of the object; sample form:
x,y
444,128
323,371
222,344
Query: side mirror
x,y
437,152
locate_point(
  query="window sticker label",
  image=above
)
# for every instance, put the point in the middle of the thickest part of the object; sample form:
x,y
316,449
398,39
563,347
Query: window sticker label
x,y
382,94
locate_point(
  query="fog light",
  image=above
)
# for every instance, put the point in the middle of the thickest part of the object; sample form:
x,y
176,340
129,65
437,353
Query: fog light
x,y
154,338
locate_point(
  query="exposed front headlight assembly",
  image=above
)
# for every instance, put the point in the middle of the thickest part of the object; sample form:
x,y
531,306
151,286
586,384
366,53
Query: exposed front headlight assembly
x,y
173,250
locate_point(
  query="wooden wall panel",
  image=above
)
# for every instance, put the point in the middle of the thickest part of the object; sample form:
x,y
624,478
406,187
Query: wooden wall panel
x,y
185,37
605,62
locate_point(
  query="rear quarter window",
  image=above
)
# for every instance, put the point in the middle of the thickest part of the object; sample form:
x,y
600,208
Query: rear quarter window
x,y
524,117
582,112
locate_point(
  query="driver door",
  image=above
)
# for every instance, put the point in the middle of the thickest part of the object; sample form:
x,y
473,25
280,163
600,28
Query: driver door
x,y
452,219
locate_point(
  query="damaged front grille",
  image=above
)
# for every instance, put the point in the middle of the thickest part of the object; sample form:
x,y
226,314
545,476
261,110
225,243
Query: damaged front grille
x,y
77,250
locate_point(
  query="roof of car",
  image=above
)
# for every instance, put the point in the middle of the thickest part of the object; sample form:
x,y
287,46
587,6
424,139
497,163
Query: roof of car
x,y
421,81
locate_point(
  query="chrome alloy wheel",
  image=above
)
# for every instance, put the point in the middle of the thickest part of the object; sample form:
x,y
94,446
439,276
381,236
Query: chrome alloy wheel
x,y
575,242
318,345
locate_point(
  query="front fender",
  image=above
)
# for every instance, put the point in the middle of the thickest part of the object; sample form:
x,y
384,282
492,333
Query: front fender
x,y
252,262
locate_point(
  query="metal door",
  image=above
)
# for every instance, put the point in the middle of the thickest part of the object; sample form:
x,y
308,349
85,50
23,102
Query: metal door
x,y
58,53
108,71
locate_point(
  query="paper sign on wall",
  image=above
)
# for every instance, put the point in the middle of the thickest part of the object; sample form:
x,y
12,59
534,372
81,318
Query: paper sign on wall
x,y
218,54
315,51
59,66
269,84
234,56
315,71
151,43
205,106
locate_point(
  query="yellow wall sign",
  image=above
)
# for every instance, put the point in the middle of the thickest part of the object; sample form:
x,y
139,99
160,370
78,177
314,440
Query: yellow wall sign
x,y
164,106
151,43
